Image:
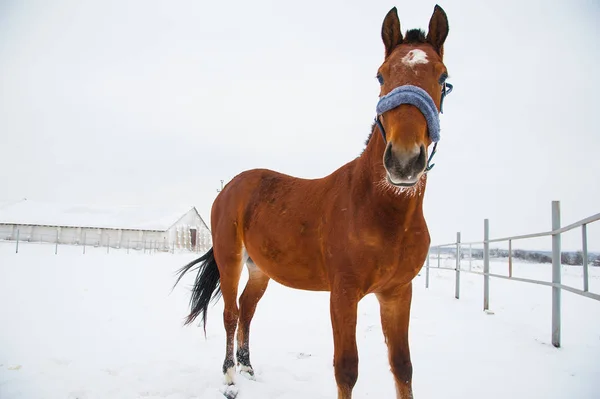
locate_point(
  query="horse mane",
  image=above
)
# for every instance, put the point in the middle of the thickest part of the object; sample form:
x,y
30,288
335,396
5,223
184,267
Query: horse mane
x,y
373,125
414,36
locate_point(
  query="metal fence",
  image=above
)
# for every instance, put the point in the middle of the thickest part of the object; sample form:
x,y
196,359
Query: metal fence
x,y
133,246
556,284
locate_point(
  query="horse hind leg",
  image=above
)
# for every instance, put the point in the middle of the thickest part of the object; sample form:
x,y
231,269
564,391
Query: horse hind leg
x,y
230,268
254,291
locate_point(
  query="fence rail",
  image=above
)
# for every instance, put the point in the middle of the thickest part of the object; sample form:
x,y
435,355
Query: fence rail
x,y
146,246
555,284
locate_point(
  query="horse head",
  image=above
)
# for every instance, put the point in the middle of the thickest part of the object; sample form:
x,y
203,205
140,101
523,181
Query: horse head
x,y
413,85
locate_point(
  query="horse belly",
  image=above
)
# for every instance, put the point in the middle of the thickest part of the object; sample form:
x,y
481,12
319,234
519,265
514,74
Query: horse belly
x,y
289,265
280,227
296,277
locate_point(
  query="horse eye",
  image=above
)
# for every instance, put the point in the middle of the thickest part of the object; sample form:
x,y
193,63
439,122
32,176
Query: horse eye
x,y
380,78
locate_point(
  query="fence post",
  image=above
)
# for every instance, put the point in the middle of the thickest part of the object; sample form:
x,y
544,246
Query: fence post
x,y
84,242
128,245
17,250
56,245
457,285
509,258
556,274
486,264
108,243
586,286
427,269
438,251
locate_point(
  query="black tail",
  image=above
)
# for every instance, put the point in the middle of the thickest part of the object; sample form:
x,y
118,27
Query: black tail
x,y
208,280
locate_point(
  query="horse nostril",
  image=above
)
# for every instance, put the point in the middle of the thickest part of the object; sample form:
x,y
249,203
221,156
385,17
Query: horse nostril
x,y
421,159
388,157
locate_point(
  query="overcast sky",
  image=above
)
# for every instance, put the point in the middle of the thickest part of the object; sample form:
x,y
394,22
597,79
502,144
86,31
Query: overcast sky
x,y
133,102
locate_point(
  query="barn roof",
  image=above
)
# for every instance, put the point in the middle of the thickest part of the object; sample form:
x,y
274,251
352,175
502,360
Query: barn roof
x,y
4,203
36,213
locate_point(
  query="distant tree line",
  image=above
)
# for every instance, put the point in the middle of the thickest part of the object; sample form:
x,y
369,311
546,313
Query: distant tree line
x,y
531,256
566,258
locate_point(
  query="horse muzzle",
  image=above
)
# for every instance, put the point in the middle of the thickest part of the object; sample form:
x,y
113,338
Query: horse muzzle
x,y
404,168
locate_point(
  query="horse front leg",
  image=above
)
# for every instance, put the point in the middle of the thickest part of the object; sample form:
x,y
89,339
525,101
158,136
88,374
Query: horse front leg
x,y
343,307
395,315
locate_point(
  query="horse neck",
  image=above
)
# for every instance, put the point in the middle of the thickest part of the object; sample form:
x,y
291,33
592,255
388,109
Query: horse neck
x,y
405,204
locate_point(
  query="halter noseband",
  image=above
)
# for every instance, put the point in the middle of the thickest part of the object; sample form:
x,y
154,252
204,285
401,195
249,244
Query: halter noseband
x,y
413,95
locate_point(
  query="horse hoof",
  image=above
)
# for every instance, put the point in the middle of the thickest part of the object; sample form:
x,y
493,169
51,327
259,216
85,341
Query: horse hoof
x,y
230,391
229,376
247,372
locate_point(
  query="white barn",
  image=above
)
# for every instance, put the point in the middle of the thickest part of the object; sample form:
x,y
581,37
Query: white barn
x,y
159,228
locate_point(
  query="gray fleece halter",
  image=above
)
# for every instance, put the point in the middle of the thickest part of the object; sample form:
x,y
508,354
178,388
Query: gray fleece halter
x,y
413,95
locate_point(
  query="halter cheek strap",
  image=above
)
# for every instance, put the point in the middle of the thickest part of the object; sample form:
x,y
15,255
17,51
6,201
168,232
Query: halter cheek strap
x,y
413,95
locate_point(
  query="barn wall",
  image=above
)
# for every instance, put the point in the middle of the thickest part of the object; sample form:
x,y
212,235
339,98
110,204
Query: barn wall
x,y
7,232
157,239
180,233
38,233
89,236
69,235
119,238
178,236
24,232
132,239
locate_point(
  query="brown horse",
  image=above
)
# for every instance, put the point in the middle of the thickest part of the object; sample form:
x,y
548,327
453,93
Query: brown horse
x,y
357,231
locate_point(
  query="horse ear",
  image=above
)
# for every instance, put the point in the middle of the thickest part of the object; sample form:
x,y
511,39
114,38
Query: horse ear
x,y
390,31
438,30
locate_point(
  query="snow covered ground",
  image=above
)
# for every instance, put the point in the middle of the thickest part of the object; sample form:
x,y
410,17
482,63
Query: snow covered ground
x,y
107,326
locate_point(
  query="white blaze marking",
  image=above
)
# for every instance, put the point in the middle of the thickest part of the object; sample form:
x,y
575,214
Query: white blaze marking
x,y
414,57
